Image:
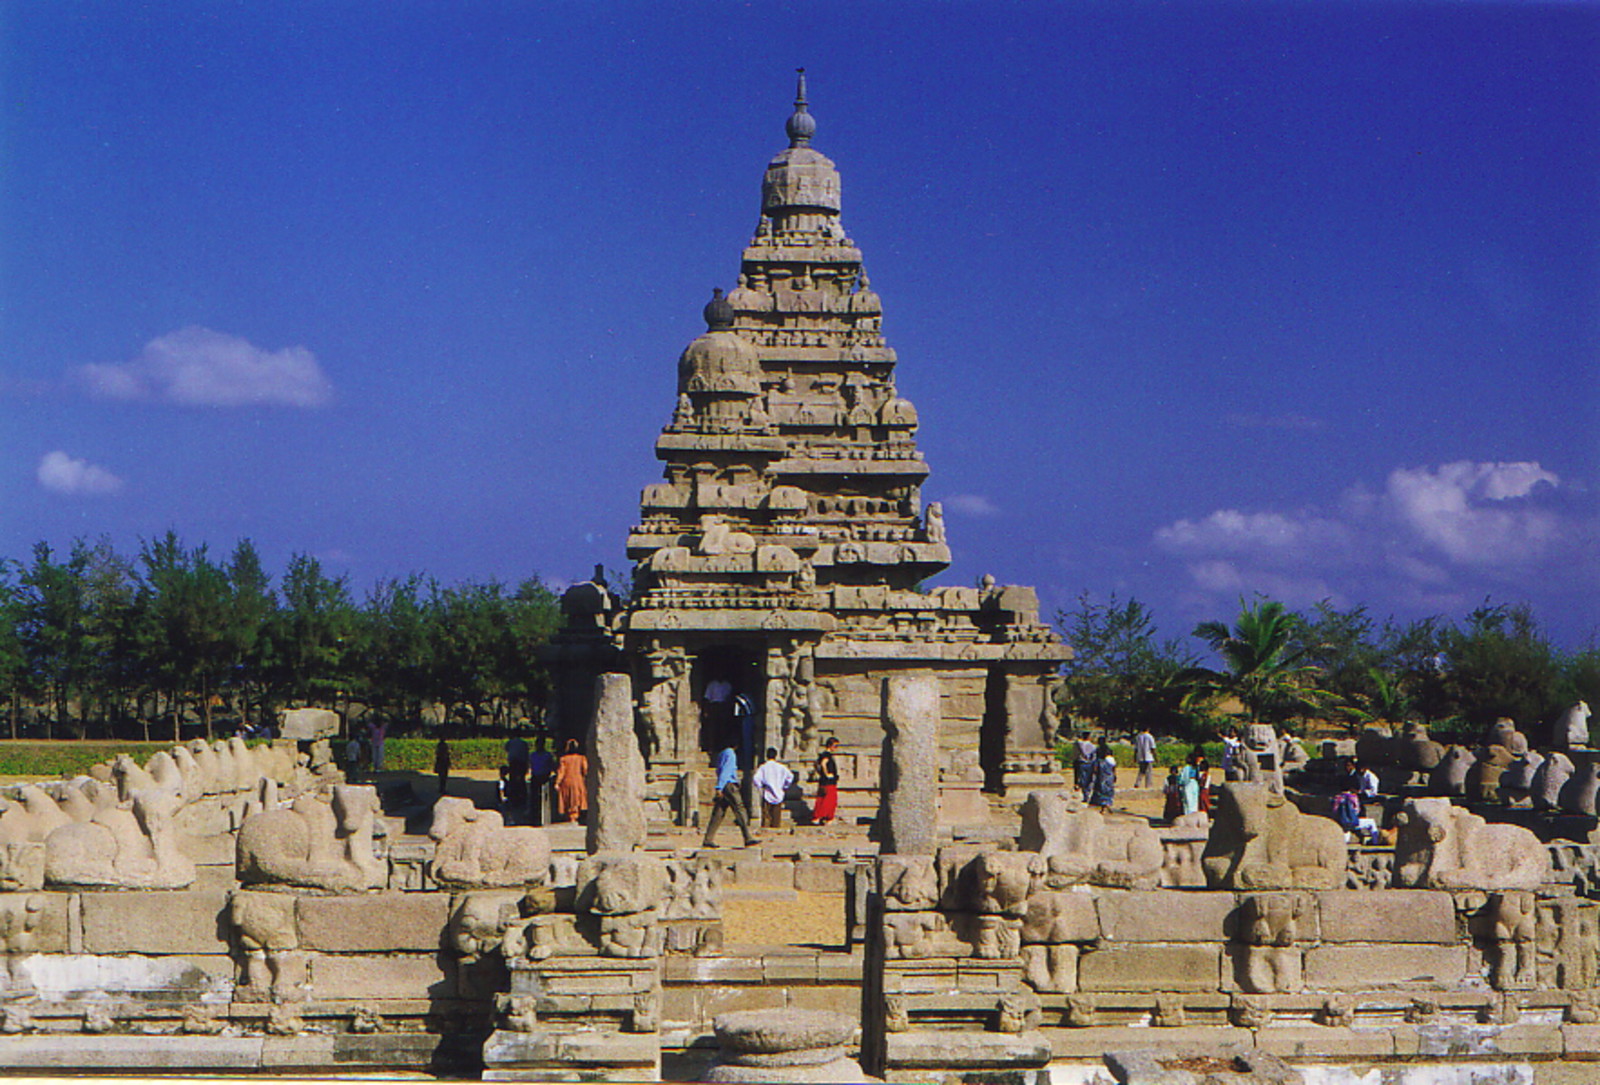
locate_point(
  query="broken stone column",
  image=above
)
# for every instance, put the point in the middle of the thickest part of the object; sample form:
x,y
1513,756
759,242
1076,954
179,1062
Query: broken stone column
x,y
616,770
910,784
783,1046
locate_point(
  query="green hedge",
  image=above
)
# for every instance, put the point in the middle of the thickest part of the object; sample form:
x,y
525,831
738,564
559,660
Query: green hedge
x,y
71,758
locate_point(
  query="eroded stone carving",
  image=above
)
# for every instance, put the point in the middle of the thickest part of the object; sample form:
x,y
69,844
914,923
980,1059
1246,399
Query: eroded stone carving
x,y
1080,844
478,922
1449,777
123,848
1509,924
1442,846
475,848
1572,727
1269,927
1260,841
316,843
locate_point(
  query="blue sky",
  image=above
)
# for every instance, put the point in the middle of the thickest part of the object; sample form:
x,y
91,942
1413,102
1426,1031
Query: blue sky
x,y
1194,300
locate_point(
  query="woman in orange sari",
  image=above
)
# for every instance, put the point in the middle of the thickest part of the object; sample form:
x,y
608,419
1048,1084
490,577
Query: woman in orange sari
x,y
572,782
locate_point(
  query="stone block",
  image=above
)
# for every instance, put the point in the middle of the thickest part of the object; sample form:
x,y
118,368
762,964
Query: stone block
x,y
367,978
834,999
188,978
110,1053
1348,967
843,967
1151,968
711,1001
1452,1039
1581,1041
155,922
780,968
1163,916
1387,915
712,969
1323,1042
813,877
949,1050
1096,1040
767,874
382,922
1057,916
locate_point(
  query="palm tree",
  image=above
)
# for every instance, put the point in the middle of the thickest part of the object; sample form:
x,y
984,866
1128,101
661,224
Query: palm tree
x,y
1263,664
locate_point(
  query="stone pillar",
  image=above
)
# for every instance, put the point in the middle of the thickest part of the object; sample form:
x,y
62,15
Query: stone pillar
x,y
616,770
910,775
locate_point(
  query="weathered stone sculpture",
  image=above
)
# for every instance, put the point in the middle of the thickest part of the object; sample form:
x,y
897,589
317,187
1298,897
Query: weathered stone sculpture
x,y
476,849
626,891
132,848
1449,777
1578,793
910,787
1259,841
1483,776
1572,728
1269,927
316,843
1516,782
1509,920
1548,780
478,922
1083,845
616,770
1442,846
274,967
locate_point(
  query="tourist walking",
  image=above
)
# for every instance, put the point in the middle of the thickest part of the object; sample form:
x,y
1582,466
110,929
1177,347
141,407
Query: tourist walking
x,y
1144,755
441,765
772,780
572,783
827,784
1202,781
1103,789
728,798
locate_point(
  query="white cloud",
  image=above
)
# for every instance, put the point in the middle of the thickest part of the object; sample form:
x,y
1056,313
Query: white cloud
x,y
64,474
198,367
971,505
1449,531
1475,513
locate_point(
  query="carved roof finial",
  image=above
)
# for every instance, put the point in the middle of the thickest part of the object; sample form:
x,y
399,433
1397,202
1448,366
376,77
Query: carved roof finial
x,y
802,126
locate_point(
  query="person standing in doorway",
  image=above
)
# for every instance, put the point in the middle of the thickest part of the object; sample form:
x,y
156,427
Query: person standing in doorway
x,y
827,783
1144,755
728,798
572,782
772,779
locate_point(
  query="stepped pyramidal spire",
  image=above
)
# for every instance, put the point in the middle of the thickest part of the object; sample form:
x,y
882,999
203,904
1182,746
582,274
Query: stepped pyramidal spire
x,y
783,554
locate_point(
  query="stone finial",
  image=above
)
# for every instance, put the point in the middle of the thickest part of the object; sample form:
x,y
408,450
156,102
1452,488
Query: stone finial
x,y
802,126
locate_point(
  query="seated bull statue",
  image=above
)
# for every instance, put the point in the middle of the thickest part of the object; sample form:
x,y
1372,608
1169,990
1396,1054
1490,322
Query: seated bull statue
x,y
476,849
314,843
1443,846
1260,841
131,846
1084,845
1571,728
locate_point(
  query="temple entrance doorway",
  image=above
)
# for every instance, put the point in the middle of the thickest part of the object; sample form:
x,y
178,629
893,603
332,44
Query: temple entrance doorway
x,y
730,686
992,732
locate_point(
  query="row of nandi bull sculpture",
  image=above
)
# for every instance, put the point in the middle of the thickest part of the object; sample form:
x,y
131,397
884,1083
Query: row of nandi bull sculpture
x,y
119,826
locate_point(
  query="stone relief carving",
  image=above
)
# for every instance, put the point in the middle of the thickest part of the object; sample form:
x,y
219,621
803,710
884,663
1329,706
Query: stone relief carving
x,y
475,848
316,843
1080,844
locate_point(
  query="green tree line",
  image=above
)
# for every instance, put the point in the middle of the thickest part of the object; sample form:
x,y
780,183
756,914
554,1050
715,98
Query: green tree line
x,y
95,643
1340,666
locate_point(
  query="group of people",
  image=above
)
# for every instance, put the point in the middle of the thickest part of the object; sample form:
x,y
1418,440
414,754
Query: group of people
x,y
773,783
1187,788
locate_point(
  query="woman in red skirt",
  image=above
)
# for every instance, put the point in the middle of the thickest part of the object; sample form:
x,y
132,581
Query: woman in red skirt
x,y
827,784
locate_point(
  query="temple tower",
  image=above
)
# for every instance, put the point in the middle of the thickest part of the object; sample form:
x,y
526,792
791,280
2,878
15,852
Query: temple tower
x,y
781,559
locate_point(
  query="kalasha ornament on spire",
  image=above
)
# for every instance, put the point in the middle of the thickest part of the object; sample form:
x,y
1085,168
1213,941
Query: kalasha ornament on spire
x,y
802,125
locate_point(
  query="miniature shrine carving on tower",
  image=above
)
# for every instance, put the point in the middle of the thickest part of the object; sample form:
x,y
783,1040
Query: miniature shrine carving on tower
x,y
779,566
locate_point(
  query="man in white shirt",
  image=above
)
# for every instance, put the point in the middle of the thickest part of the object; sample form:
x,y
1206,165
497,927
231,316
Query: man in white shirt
x,y
1144,755
772,780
